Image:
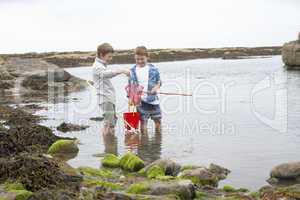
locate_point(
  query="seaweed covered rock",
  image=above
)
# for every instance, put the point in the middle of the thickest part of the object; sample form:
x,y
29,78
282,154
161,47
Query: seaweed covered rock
x,y
36,172
110,160
131,162
164,166
27,138
16,190
200,176
63,147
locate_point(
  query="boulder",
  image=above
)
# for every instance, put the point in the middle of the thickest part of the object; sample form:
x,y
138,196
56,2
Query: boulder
x,y
69,127
162,167
286,171
200,176
183,188
110,160
291,54
62,147
131,162
219,171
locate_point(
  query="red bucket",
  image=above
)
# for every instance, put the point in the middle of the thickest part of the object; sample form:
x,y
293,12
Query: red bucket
x,y
132,119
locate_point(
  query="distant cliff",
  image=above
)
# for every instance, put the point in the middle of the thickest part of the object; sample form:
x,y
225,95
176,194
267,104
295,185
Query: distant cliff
x,y
77,58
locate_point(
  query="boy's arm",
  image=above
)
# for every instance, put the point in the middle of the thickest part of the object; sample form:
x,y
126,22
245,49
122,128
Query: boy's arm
x,y
110,73
158,83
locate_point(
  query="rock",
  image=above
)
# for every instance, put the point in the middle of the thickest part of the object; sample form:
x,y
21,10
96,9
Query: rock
x,y
286,171
5,75
27,138
97,119
219,171
183,188
284,193
131,162
291,54
165,166
59,75
68,127
126,196
6,84
200,176
53,195
155,171
36,82
110,160
62,147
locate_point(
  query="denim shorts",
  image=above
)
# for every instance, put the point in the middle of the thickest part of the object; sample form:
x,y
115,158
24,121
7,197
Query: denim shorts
x,y
147,111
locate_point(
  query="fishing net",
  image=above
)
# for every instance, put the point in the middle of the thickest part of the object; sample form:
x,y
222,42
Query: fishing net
x,y
134,93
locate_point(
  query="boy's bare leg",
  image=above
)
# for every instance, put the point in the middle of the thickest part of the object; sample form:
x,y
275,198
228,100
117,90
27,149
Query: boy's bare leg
x,y
157,123
144,125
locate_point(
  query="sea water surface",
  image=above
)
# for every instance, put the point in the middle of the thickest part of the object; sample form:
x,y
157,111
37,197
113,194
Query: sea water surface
x,y
243,115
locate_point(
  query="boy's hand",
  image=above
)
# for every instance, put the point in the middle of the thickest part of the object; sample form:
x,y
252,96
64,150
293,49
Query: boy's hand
x,y
126,72
90,82
155,89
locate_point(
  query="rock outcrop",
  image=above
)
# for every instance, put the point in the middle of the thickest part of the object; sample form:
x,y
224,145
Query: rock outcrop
x,y
285,174
291,54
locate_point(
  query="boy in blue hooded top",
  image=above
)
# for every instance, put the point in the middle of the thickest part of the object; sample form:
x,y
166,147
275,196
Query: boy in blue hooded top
x,y
148,76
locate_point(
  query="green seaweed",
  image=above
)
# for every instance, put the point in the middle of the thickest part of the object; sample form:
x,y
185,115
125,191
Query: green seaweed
x,y
131,162
155,171
102,173
110,160
138,188
92,182
63,146
22,194
228,188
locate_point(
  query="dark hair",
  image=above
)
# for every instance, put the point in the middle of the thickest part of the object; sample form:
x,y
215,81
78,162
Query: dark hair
x,y
104,49
141,51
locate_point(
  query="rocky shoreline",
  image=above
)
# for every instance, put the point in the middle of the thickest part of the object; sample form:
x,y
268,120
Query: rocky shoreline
x,y
77,58
33,167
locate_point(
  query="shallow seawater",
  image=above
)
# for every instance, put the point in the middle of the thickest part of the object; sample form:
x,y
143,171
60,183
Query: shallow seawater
x,y
244,115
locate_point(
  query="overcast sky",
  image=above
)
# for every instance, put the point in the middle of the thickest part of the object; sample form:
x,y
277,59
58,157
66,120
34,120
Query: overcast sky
x,y
66,25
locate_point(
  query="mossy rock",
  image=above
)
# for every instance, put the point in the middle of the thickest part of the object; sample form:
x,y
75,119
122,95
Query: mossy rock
x,y
131,162
138,188
13,186
22,194
228,188
111,160
290,191
155,171
62,147
17,189
165,178
102,173
109,185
